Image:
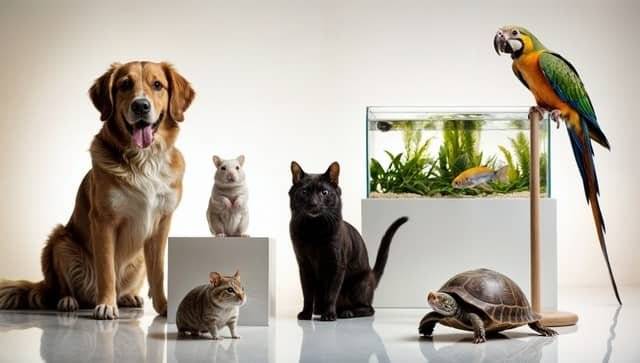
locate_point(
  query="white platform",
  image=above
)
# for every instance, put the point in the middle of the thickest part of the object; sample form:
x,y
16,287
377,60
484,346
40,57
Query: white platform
x,y
192,258
447,236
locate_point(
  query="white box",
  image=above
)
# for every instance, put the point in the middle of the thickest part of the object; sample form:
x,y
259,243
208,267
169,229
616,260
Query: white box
x,y
444,237
191,259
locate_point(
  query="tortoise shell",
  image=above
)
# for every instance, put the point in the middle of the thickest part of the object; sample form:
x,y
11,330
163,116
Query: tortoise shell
x,y
493,293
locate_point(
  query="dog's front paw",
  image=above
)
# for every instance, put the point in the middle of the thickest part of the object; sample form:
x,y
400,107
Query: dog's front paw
x,y
160,305
130,301
68,303
105,312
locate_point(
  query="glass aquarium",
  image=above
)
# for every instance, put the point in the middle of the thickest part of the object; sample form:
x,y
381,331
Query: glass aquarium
x,y
428,152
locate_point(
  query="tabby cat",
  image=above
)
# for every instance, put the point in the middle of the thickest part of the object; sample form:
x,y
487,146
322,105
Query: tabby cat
x,y
335,275
210,307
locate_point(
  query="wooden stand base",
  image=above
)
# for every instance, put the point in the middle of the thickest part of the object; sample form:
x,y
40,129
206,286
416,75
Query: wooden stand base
x,y
558,318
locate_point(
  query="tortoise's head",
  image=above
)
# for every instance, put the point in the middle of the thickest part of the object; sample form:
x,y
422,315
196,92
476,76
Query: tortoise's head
x,y
442,303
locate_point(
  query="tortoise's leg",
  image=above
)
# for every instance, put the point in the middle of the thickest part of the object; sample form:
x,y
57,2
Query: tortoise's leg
x,y
547,332
479,335
428,323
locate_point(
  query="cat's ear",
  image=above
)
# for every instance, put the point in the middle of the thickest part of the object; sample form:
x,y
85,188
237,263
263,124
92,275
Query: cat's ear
x,y
240,160
217,161
214,279
236,275
296,172
333,173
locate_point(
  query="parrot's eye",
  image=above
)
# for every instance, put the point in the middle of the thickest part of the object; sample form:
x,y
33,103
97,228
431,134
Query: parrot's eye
x,y
514,32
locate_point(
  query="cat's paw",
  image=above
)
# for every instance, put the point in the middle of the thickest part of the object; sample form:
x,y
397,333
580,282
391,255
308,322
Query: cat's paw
x,y
235,337
221,235
218,337
68,303
105,312
346,314
130,301
304,315
329,316
227,203
160,305
237,204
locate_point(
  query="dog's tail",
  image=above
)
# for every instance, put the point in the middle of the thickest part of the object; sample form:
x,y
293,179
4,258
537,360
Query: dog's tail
x,y
383,250
24,294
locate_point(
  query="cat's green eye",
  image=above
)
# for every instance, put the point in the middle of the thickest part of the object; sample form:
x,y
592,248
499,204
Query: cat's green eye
x,y
230,289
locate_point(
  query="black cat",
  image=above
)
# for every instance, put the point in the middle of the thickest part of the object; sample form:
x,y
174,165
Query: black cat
x,y
335,275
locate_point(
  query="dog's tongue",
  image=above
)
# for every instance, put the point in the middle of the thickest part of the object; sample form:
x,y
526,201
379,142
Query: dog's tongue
x,y
143,137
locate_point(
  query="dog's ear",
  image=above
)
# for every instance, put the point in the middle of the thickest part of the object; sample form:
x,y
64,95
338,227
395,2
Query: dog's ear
x,y
180,93
101,94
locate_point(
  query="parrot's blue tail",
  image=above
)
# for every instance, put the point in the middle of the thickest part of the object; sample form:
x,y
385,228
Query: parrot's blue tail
x,y
583,152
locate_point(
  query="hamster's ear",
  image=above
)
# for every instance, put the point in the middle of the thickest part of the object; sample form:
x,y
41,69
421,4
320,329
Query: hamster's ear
x,y
296,172
214,279
240,160
333,173
217,161
237,275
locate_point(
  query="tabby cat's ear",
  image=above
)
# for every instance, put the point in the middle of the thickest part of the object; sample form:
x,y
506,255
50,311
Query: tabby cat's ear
x,y
296,172
214,279
236,276
333,173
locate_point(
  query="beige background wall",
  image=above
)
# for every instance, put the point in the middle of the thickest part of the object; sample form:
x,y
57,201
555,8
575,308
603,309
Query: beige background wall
x,y
290,80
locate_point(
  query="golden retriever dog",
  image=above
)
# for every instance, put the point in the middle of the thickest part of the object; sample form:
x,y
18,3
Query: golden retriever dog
x,y
120,223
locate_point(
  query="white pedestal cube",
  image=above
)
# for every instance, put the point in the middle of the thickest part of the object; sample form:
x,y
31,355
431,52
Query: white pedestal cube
x,y
191,259
444,237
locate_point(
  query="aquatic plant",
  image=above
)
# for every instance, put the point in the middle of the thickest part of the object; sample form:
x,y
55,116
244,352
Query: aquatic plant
x,y
413,171
406,172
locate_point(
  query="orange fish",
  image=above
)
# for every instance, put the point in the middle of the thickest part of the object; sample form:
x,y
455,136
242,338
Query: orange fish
x,y
480,175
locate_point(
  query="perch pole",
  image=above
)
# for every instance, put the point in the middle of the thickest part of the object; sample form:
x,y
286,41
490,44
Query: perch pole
x,y
549,318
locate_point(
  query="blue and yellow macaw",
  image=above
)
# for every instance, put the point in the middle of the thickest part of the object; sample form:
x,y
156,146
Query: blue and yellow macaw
x,y
557,88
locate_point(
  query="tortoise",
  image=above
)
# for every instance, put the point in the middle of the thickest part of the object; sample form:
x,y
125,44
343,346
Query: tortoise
x,y
482,301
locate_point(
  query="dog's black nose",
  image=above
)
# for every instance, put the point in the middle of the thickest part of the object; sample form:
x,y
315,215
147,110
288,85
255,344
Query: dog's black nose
x,y
141,106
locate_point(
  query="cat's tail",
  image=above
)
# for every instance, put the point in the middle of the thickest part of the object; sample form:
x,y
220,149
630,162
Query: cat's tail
x,y
383,250
24,294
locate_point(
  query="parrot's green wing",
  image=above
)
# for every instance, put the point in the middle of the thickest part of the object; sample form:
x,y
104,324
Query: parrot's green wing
x,y
565,81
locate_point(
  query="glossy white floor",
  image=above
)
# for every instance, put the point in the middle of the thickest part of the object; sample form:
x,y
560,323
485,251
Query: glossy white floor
x,y
604,334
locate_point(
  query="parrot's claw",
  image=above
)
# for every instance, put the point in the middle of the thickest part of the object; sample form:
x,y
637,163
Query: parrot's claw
x,y
537,109
556,116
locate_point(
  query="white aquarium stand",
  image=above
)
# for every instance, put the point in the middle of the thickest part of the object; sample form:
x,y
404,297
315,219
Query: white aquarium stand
x,y
191,259
444,237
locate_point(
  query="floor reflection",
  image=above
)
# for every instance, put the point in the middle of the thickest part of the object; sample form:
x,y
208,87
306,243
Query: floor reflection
x,y
612,335
498,348
69,337
347,340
